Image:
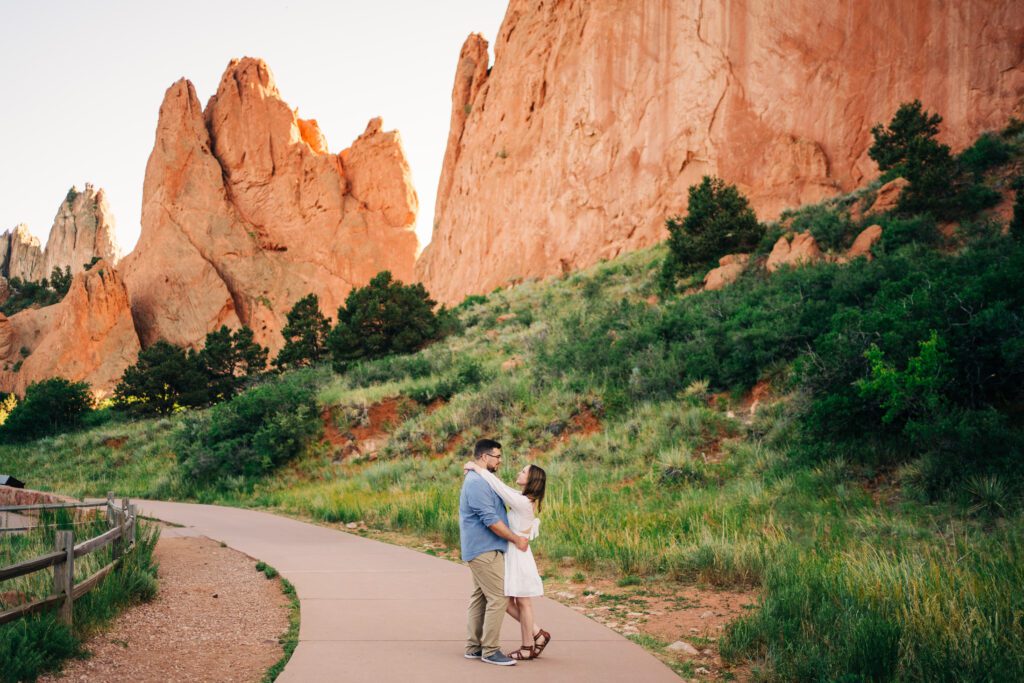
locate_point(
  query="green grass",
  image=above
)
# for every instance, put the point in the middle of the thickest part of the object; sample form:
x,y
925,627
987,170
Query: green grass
x,y
36,644
289,640
859,578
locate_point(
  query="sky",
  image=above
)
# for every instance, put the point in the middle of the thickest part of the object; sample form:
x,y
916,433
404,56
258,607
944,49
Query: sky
x,y
83,82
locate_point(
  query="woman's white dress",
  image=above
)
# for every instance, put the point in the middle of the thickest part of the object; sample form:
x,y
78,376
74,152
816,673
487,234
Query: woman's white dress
x,y
522,580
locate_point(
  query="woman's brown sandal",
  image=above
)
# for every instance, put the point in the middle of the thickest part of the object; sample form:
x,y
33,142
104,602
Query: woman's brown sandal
x,y
539,647
531,653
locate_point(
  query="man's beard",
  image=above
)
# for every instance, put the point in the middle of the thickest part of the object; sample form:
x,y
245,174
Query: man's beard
x,y
492,469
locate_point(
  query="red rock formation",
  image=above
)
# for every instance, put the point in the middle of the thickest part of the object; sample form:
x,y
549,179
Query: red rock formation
x,y
20,254
244,212
802,249
83,229
89,336
597,116
861,246
729,269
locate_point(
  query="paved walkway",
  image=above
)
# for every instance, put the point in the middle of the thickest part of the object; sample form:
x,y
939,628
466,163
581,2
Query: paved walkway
x,y
377,612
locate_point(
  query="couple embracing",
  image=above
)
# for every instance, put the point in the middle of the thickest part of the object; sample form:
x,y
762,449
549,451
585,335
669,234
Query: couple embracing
x,y
496,545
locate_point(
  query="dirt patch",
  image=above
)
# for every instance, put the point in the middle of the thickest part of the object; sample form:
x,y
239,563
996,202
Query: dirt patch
x,y
115,442
215,618
369,433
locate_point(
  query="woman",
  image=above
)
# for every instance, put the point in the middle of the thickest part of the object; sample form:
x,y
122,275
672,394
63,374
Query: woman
x,y
522,580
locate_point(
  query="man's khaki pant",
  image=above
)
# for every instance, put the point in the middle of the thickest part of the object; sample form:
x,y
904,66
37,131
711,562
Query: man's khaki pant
x,y
487,604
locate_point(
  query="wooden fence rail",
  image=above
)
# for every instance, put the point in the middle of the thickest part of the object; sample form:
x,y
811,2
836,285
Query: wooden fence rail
x,y
122,534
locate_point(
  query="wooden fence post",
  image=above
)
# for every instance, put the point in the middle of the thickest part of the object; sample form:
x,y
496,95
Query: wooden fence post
x,y
110,508
64,574
133,513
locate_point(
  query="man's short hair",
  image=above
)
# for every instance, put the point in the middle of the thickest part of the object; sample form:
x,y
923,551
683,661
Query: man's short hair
x,y
483,446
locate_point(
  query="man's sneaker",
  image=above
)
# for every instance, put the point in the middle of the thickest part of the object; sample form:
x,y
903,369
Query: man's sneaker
x,y
474,655
499,658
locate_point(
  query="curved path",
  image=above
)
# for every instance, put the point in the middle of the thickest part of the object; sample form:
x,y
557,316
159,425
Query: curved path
x,y
377,612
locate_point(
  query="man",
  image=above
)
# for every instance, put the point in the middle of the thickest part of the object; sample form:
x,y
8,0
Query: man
x,y
483,528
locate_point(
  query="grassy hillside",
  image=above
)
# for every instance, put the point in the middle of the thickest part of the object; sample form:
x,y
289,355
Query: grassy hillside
x,y
844,439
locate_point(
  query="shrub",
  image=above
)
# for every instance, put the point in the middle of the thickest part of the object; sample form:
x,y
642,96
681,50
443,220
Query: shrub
x,y
163,379
1017,221
305,335
250,435
988,151
719,220
383,318
831,229
50,406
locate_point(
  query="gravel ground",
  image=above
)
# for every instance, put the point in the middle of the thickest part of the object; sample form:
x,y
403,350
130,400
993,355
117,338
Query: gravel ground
x,y
215,618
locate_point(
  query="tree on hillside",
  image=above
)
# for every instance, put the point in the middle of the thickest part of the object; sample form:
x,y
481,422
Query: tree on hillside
x,y
908,147
49,406
385,317
719,221
305,335
162,379
229,358
60,281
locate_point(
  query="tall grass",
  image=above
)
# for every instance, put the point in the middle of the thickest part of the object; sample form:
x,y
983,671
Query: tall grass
x,y
35,644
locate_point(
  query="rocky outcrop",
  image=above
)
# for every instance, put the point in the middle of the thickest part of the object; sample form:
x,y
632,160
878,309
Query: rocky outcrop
x,y
244,212
729,269
82,230
597,116
888,196
801,250
20,254
89,336
862,246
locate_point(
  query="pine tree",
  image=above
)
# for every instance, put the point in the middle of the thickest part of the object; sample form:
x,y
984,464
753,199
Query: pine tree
x,y
229,358
305,335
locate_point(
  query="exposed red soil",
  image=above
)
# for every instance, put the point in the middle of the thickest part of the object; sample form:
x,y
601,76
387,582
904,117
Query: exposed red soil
x,y
115,441
366,437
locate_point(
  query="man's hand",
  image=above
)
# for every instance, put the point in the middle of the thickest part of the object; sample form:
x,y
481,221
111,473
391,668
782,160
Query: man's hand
x,y
521,543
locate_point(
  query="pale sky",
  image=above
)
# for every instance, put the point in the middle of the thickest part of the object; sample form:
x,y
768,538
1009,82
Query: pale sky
x,y
83,82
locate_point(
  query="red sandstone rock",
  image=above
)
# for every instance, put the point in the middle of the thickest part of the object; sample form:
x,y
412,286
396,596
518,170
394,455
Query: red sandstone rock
x,y
864,242
245,212
20,254
89,336
728,271
888,196
82,229
597,116
803,249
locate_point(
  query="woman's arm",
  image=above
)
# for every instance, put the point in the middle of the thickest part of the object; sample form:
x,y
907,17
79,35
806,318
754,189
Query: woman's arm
x,y
513,498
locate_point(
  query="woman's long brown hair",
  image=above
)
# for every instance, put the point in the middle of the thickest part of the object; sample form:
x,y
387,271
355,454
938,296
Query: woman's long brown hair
x,y
535,483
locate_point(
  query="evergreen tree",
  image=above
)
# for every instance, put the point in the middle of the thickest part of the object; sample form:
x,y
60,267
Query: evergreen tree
x,y
305,335
229,358
60,280
719,221
163,378
385,317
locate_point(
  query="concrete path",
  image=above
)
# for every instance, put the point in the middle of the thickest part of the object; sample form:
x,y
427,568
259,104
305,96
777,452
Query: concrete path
x,y
377,612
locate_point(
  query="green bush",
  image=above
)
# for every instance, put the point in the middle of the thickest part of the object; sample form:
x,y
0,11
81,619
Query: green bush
x,y
830,228
30,294
383,318
250,435
1017,221
50,406
719,220
988,151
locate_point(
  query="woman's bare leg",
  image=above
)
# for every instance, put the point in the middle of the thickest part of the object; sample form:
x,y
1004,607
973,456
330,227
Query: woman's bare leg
x,y
526,625
512,608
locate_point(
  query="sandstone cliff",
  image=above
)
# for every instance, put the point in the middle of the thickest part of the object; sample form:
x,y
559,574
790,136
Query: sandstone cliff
x,y
82,229
597,116
244,212
20,254
89,336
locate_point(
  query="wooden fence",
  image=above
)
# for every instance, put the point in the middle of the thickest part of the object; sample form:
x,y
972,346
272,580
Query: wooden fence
x,y
121,520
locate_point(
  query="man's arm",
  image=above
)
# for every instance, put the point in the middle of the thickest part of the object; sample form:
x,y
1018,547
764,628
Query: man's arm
x,y
503,531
